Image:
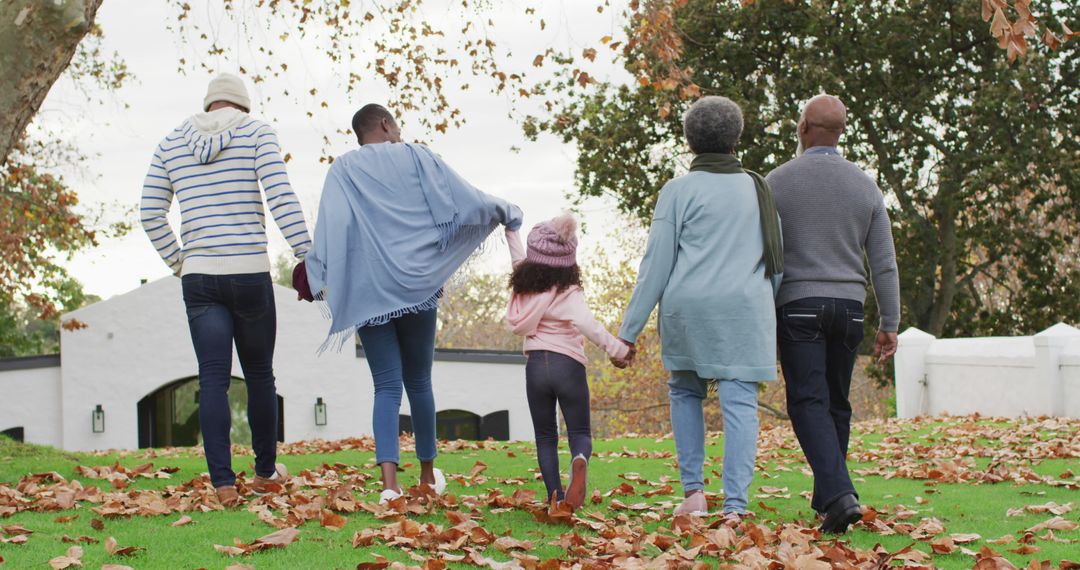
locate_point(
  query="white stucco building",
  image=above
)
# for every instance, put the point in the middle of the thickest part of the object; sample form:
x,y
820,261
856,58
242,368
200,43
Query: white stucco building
x,y
134,359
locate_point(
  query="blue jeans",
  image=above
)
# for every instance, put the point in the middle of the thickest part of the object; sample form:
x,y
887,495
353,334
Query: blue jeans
x,y
738,402
554,379
223,310
818,338
401,352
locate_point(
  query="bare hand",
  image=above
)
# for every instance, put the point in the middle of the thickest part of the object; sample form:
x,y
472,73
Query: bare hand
x,y
884,346
628,359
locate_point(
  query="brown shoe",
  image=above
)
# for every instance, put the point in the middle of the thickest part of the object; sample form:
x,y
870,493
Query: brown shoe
x,y
575,491
272,484
227,496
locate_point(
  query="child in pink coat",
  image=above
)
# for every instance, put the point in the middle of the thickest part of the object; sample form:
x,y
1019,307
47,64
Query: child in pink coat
x,y
548,308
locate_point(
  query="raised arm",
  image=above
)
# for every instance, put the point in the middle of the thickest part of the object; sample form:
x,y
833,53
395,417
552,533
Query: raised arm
x,y
157,197
280,198
517,251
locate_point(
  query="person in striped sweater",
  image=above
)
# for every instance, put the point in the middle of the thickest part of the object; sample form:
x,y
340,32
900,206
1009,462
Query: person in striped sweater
x,y
213,165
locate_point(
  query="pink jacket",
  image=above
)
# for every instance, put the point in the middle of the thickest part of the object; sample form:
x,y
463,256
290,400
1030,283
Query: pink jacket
x,y
556,321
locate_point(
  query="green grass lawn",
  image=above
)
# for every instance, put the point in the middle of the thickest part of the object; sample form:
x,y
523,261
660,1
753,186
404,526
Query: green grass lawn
x,y
910,472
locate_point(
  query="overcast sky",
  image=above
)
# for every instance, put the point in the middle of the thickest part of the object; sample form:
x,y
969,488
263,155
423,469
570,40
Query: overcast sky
x,y
120,135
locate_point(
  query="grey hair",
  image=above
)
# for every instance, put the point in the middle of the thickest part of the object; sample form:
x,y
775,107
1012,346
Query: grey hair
x,y
713,124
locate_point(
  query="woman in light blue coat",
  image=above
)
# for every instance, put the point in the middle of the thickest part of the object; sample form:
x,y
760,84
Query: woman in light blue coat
x,y
713,261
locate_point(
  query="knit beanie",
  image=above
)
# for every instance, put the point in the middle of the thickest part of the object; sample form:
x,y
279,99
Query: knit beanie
x,y
553,242
227,87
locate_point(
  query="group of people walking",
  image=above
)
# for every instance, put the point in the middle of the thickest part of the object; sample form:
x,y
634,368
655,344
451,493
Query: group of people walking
x,y
739,264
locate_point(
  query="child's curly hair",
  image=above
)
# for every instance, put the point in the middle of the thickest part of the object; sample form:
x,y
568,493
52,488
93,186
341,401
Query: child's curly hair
x,y
529,277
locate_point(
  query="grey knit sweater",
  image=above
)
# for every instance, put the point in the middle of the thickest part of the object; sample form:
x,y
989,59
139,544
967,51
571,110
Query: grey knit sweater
x,y
832,214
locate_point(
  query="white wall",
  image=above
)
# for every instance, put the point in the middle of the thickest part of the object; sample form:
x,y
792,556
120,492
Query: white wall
x,y
138,342
993,376
1069,364
30,401
481,388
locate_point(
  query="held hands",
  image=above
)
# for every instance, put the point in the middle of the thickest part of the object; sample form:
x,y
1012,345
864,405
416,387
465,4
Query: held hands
x,y
300,283
629,359
884,346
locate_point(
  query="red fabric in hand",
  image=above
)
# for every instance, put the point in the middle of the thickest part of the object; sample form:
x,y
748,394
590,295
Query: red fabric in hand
x,y
300,282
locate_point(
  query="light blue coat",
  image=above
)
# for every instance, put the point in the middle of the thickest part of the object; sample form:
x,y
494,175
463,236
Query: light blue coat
x,y
704,265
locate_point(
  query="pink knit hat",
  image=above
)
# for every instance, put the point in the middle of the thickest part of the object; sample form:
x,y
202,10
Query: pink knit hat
x,y
554,242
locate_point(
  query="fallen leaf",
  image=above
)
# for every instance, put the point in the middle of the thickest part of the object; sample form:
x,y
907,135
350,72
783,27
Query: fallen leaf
x,y
332,521
73,557
964,538
182,521
112,548
1056,523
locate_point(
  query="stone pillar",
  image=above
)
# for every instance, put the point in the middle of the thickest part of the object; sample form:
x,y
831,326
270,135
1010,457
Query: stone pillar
x,y
1049,381
910,365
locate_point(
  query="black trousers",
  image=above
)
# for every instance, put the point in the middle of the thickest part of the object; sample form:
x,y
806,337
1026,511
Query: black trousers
x,y
554,379
818,338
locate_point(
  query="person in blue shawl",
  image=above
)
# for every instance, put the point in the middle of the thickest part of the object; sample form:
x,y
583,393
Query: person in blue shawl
x,y
395,223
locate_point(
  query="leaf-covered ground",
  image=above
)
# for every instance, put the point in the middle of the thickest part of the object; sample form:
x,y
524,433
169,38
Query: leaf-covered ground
x,y
954,493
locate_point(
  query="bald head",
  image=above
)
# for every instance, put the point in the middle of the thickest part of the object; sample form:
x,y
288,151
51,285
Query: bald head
x,y
822,122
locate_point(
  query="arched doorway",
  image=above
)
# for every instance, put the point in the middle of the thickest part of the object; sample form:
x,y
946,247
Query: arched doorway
x,y
15,433
169,416
462,424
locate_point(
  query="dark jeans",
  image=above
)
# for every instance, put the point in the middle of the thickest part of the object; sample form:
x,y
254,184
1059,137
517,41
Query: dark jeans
x,y
818,338
399,353
552,378
223,310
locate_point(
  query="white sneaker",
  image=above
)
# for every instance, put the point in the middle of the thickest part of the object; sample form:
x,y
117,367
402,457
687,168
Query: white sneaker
x,y
388,495
440,481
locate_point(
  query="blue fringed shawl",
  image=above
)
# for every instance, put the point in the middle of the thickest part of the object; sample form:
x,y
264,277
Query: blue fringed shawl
x,y
395,223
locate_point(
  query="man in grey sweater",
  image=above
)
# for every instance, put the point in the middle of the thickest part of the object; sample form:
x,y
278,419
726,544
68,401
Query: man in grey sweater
x,y
832,214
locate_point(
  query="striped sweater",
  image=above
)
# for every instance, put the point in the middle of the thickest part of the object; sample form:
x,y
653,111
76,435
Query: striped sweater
x,y
213,165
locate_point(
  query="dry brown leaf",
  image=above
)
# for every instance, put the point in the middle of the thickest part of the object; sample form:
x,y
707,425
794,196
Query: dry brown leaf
x,y
72,558
1056,523
83,539
182,521
332,521
229,550
943,545
112,548
115,567
964,538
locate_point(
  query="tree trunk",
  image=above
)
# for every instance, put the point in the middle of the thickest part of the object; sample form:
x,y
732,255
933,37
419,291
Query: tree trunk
x,y
947,277
37,41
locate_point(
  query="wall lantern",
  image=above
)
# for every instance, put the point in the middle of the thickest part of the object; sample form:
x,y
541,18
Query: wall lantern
x,y
320,412
97,422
